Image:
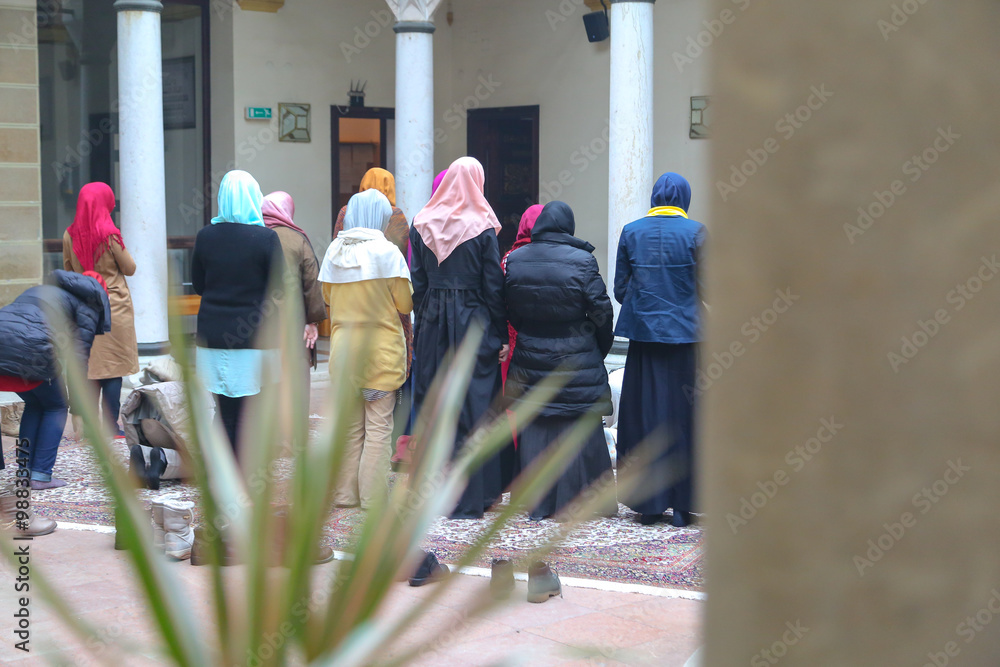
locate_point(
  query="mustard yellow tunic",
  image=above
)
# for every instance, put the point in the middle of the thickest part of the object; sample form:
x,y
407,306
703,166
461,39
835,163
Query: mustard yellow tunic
x,y
364,317
114,354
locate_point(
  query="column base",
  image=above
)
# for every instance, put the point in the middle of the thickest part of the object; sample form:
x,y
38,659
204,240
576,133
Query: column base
x,y
154,349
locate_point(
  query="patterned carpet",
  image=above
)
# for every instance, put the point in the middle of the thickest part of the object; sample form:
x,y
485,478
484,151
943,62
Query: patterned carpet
x,y
616,549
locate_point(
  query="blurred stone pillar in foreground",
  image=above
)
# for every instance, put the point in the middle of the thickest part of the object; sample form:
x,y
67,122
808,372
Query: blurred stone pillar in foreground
x,y
852,368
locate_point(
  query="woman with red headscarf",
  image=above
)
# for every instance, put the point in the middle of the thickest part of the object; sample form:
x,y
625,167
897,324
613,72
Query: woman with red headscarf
x,y
523,239
94,243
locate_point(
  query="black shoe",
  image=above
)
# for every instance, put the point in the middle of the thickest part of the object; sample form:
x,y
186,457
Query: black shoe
x,y
157,466
650,519
137,466
430,570
543,583
682,519
501,578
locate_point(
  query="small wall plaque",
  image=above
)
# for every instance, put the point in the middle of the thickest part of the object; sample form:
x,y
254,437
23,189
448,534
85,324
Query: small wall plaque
x,y
293,122
700,119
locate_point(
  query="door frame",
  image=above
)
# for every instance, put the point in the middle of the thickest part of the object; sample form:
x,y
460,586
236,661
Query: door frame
x,y
336,113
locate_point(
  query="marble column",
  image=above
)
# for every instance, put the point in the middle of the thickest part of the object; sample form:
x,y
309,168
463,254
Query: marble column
x,y
630,153
414,102
852,367
141,190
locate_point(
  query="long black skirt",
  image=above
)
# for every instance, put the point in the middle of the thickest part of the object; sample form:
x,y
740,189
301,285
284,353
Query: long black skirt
x,y
655,405
587,467
433,343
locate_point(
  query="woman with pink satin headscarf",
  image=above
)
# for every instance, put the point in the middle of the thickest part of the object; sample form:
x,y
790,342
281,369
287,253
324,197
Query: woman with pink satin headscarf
x,y
278,210
457,281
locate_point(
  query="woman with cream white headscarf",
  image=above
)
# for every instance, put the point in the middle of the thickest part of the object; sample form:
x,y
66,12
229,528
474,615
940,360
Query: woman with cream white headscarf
x,y
367,284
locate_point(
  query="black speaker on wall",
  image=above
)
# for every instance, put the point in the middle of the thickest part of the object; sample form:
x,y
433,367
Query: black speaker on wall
x,y
598,28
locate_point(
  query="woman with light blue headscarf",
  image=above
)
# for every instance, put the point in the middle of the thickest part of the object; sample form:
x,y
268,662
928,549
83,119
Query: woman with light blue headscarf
x,y
232,265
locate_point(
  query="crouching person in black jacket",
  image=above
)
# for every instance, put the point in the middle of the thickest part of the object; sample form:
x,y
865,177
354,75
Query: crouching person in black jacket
x,y
559,306
29,366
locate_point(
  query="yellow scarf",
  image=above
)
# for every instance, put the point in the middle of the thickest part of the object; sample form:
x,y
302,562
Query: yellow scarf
x,y
667,210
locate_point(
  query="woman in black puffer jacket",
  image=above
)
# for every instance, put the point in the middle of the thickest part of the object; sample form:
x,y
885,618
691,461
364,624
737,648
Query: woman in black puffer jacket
x,y
28,363
559,306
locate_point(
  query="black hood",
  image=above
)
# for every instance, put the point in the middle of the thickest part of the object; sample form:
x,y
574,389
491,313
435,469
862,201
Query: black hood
x,y
87,290
556,224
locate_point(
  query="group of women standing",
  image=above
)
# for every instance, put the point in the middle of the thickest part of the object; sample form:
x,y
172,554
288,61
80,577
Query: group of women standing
x,y
546,311
543,307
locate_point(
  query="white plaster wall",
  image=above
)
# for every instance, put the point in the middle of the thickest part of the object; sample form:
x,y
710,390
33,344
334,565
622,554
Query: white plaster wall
x,y
308,52
536,50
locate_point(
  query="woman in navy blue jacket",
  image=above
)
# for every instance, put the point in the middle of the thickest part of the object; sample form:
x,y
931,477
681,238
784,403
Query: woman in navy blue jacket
x,y
656,281
30,367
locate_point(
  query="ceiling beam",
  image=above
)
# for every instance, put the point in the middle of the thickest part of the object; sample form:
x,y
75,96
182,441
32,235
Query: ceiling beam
x,y
261,5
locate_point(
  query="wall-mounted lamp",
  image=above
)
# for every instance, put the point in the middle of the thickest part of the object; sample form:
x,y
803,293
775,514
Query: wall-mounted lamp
x,y
357,93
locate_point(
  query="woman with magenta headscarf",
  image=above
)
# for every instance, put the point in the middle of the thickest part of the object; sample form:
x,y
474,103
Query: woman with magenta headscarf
x,y
367,284
656,281
94,243
278,210
457,281
231,268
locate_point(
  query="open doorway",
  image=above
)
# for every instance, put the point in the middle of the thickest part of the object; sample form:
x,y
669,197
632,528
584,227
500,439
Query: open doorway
x,y
360,138
505,140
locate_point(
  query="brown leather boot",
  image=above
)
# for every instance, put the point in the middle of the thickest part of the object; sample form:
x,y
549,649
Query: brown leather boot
x,y
324,554
201,553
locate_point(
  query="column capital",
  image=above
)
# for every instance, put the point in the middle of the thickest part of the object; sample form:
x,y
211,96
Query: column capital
x,y
138,6
414,26
413,10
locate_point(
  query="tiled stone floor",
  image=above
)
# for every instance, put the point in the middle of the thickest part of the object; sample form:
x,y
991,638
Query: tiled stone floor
x,y
95,580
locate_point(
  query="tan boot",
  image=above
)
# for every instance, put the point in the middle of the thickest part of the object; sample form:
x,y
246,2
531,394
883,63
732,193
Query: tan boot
x,y
324,554
178,534
24,521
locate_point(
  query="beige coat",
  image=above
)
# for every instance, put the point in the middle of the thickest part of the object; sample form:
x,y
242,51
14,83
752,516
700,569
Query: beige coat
x,y
301,261
114,354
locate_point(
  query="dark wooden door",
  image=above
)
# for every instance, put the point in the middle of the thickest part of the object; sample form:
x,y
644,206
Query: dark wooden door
x,y
505,140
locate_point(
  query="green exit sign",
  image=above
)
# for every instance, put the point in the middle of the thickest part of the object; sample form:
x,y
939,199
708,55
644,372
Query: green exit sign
x,y
258,113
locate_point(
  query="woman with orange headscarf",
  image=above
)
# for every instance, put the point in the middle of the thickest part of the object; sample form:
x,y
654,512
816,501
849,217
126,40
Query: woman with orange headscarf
x,y
94,243
397,230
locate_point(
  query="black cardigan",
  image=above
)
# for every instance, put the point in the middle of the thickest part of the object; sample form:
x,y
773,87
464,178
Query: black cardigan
x,y
231,269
